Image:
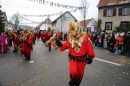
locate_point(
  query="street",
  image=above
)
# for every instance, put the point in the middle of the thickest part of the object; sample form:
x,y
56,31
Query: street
x,y
51,68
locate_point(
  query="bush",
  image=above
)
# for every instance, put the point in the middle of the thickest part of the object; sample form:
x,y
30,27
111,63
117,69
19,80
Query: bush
x,y
121,29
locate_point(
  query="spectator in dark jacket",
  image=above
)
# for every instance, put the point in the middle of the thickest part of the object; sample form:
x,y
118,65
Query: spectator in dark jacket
x,y
95,39
112,42
128,43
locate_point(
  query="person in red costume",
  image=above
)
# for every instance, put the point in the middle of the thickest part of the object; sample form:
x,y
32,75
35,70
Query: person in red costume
x,y
81,52
43,35
28,41
52,40
49,34
15,39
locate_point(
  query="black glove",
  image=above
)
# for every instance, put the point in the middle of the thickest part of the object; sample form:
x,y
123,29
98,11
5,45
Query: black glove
x,y
58,43
89,60
29,45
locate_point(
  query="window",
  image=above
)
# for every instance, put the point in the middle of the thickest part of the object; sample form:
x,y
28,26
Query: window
x,y
109,12
124,11
108,25
67,18
124,25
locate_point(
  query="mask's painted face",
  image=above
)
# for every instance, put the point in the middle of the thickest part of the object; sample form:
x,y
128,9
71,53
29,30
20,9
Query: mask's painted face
x,y
74,33
74,28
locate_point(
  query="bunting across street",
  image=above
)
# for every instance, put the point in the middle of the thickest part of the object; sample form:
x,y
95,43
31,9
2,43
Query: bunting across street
x,y
47,15
29,20
57,4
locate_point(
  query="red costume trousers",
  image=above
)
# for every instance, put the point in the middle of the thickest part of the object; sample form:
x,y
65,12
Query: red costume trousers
x,y
15,45
28,50
49,45
76,72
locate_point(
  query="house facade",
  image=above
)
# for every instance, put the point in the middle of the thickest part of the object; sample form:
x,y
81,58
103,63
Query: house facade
x,y
114,13
88,24
10,26
44,24
62,21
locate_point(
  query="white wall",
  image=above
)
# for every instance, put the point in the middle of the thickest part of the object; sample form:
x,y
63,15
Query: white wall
x,y
92,24
10,27
44,26
66,19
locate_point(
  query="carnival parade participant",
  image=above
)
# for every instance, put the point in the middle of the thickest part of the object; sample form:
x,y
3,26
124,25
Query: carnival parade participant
x,y
49,34
81,52
3,43
26,46
34,37
9,38
15,39
43,35
28,41
52,40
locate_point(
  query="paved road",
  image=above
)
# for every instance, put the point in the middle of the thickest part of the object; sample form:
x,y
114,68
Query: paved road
x,y
51,69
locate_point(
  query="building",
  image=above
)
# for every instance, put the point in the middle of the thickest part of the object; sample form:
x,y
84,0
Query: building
x,y
62,21
44,24
88,24
10,26
114,13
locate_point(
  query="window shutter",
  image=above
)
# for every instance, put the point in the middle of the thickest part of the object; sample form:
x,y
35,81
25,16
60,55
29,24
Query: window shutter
x,y
120,11
104,12
114,12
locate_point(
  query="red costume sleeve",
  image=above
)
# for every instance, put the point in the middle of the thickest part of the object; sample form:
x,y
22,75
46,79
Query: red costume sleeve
x,y
65,46
86,48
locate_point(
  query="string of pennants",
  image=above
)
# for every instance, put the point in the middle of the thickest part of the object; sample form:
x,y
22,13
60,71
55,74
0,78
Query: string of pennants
x,y
46,15
57,4
30,20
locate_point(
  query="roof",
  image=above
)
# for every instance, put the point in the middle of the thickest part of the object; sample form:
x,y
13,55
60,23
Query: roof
x,y
112,2
10,23
62,15
47,21
86,22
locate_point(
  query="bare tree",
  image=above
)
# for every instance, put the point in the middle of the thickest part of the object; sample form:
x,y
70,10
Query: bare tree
x,y
16,19
84,4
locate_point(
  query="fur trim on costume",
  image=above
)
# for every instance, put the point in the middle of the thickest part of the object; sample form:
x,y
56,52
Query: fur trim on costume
x,y
52,40
77,40
74,26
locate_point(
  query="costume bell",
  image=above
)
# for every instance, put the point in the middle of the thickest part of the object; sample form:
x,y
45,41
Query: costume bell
x,y
80,52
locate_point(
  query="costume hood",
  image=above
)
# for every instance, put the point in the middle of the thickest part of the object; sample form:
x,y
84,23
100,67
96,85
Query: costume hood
x,y
77,40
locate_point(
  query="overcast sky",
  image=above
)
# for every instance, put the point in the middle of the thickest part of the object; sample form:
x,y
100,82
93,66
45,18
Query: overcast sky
x,y
33,8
